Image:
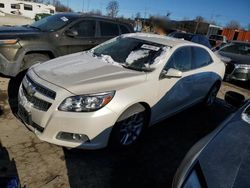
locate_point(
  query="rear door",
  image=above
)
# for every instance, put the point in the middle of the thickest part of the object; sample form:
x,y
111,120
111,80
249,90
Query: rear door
x,y
175,93
203,77
85,38
107,30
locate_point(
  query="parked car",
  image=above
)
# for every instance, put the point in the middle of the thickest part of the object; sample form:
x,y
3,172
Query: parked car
x,y
236,56
197,38
217,41
111,93
53,36
221,159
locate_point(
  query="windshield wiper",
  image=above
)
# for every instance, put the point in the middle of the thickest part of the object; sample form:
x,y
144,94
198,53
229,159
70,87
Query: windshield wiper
x,y
136,68
30,26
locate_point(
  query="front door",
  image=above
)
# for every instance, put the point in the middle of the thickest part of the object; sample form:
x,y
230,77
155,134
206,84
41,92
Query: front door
x,y
84,38
175,93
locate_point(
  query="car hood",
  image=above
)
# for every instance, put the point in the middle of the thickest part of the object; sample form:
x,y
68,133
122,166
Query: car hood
x,y
82,73
235,58
225,162
16,31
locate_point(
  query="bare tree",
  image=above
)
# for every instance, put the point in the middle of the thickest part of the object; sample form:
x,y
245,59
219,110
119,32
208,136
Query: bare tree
x,y
95,12
198,20
112,8
233,24
248,27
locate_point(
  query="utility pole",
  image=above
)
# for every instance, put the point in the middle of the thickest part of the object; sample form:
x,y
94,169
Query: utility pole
x,y
82,6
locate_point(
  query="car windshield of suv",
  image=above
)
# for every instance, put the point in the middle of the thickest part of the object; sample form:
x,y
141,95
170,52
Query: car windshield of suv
x,y
242,49
52,23
129,52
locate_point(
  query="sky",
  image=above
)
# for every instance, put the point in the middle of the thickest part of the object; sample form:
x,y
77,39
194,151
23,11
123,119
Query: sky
x,y
221,11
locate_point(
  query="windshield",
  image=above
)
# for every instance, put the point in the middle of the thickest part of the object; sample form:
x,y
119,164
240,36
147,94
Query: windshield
x,y
52,23
237,48
216,37
129,52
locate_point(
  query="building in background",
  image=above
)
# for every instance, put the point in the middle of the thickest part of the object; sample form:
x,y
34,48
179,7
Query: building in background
x,y
24,8
235,34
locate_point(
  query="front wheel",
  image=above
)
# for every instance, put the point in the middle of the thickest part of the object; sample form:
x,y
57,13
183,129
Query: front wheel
x,y
211,97
128,131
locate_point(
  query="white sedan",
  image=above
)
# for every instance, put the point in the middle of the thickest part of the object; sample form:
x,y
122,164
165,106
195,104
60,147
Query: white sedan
x,y
110,94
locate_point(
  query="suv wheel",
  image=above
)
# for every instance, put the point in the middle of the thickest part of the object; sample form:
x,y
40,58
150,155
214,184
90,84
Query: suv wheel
x,y
128,131
15,82
212,94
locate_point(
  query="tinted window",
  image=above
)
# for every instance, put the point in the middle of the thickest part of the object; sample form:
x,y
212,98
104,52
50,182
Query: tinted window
x,y
85,28
1,5
28,7
200,57
15,6
180,60
124,29
109,29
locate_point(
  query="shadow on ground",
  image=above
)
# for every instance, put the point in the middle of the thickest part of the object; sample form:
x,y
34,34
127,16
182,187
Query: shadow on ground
x,y
8,172
245,84
153,161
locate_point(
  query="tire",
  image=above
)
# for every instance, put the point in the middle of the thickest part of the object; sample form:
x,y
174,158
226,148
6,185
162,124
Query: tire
x,y
211,96
128,131
15,82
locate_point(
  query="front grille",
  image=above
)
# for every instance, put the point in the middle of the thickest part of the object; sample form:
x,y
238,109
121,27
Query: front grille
x,y
25,117
37,103
41,89
230,68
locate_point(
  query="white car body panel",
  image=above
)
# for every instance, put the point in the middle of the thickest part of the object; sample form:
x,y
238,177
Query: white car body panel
x,y
82,73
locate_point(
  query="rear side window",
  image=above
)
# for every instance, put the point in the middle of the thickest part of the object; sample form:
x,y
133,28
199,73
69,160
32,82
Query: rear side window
x,y
85,28
109,29
1,5
180,60
28,7
124,29
200,57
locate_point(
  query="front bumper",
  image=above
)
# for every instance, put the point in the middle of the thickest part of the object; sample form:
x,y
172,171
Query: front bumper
x,y
237,73
47,125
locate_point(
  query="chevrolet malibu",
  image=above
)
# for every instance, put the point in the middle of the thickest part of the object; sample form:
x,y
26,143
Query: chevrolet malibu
x,y
110,94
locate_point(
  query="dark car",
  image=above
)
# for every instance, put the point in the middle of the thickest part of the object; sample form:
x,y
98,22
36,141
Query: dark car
x,y
197,38
53,36
221,159
236,56
217,41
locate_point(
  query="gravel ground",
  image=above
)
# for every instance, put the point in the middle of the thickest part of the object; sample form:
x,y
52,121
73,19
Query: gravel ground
x,y
151,163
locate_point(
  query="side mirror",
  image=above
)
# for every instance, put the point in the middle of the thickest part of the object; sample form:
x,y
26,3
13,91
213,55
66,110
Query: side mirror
x,y
171,73
234,99
71,33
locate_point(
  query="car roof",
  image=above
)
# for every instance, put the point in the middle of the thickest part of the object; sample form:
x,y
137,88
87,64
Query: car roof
x,y
160,39
85,15
240,42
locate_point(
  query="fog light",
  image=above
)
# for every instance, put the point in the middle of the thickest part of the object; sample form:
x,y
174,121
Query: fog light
x,y
72,137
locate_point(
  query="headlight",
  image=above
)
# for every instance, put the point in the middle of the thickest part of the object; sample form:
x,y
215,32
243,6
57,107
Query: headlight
x,y
8,41
242,66
246,115
86,103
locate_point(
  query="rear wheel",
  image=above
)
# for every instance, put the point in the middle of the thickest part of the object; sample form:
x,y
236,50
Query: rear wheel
x,y
211,97
15,82
128,131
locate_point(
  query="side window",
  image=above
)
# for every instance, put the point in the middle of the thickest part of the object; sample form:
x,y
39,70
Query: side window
x,y
15,6
1,5
124,29
27,7
180,60
85,28
109,29
200,57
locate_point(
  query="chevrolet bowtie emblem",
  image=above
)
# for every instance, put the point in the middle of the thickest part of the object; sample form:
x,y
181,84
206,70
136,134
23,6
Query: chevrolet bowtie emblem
x,y
31,90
